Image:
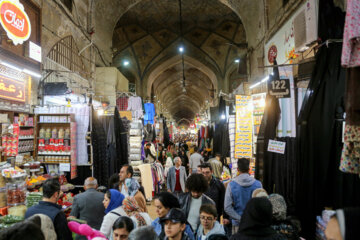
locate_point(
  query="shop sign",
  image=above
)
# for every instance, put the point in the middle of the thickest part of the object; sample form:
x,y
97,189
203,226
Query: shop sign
x,y
243,132
12,89
276,146
15,21
34,51
279,88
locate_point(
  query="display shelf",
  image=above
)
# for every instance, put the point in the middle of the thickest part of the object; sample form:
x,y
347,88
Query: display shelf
x,y
26,151
54,122
26,126
54,154
26,138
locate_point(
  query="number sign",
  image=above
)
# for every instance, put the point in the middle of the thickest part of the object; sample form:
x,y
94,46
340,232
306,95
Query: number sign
x,y
279,88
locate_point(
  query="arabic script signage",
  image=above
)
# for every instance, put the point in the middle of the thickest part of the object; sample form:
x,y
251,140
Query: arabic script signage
x,y
243,133
15,21
12,89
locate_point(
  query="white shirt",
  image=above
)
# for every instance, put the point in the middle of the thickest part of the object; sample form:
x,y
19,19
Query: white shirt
x,y
194,212
203,237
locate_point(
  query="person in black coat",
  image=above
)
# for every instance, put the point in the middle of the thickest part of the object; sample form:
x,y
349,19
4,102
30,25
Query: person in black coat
x,y
256,222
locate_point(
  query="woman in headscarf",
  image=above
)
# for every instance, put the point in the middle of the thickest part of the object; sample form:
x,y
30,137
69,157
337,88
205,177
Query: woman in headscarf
x,y
132,210
256,221
282,224
112,200
344,225
133,187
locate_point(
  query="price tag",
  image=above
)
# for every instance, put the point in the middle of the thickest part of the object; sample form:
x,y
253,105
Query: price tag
x,y
64,167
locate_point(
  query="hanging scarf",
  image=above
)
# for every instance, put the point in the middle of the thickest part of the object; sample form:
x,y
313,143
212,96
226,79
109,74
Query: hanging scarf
x,y
131,208
116,200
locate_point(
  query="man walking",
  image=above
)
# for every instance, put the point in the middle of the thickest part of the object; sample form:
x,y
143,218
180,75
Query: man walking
x,y
126,171
176,178
191,201
48,207
88,205
239,192
216,166
195,160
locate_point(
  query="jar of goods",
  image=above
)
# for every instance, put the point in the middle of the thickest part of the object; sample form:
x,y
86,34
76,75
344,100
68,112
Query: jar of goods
x,y
67,133
42,133
54,133
16,193
61,133
48,133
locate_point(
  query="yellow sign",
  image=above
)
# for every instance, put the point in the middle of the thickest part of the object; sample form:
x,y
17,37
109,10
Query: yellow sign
x,y
243,133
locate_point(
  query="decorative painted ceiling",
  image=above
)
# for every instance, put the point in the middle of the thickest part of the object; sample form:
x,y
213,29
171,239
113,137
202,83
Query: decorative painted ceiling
x,y
149,34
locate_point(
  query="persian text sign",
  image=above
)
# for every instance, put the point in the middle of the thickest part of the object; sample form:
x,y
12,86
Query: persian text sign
x,y
276,146
12,89
15,21
243,132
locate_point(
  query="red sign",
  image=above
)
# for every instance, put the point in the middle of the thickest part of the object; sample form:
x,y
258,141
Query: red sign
x,y
12,89
272,54
15,21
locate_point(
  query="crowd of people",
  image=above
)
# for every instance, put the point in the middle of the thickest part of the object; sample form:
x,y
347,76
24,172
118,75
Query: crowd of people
x,y
195,206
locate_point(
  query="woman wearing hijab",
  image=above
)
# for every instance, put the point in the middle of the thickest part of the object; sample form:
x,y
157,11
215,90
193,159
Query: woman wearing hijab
x,y
282,224
133,187
133,211
112,200
256,221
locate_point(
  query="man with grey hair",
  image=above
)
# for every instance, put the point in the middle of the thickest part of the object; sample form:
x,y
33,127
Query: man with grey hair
x,y
176,178
143,233
88,205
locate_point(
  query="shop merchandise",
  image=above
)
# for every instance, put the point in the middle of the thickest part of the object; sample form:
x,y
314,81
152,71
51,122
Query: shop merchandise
x,y
122,103
352,103
149,113
350,156
10,139
136,107
351,44
147,179
135,143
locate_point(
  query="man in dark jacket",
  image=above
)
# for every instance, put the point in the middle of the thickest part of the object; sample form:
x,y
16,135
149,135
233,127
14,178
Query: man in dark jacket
x,y
88,205
191,201
48,206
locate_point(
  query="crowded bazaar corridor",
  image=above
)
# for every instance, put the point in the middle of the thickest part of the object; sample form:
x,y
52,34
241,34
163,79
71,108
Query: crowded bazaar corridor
x,y
179,119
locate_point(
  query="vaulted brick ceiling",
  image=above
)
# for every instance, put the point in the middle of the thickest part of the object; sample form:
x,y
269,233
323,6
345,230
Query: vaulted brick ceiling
x,y
149,34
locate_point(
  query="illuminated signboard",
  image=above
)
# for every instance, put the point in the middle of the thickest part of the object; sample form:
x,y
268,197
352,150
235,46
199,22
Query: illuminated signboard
x,y
15,21
12,89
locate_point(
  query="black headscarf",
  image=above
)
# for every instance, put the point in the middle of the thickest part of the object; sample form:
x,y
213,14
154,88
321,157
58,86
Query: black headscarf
x,y
256,219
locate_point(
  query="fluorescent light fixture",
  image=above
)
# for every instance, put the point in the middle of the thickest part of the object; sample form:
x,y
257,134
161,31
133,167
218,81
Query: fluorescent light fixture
x,y
126,63
237,60
34,74
181,49
265,79
11,66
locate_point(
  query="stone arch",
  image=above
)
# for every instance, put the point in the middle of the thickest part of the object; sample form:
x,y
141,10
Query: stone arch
x,y
171,62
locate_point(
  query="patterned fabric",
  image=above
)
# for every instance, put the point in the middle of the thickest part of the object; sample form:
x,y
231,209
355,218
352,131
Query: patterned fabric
x,y
350,157
351,44
131,208
279,206
132,185
122,103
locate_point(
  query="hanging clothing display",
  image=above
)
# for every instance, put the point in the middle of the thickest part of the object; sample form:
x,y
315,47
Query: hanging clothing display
x,y
350,157
100,163
149,113
135,143
351,44
122,103
121,138
136,107
321,184
149,132
147,180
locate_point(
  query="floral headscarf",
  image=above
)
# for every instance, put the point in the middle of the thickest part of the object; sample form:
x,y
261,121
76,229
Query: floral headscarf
x,y
279,206
131,208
